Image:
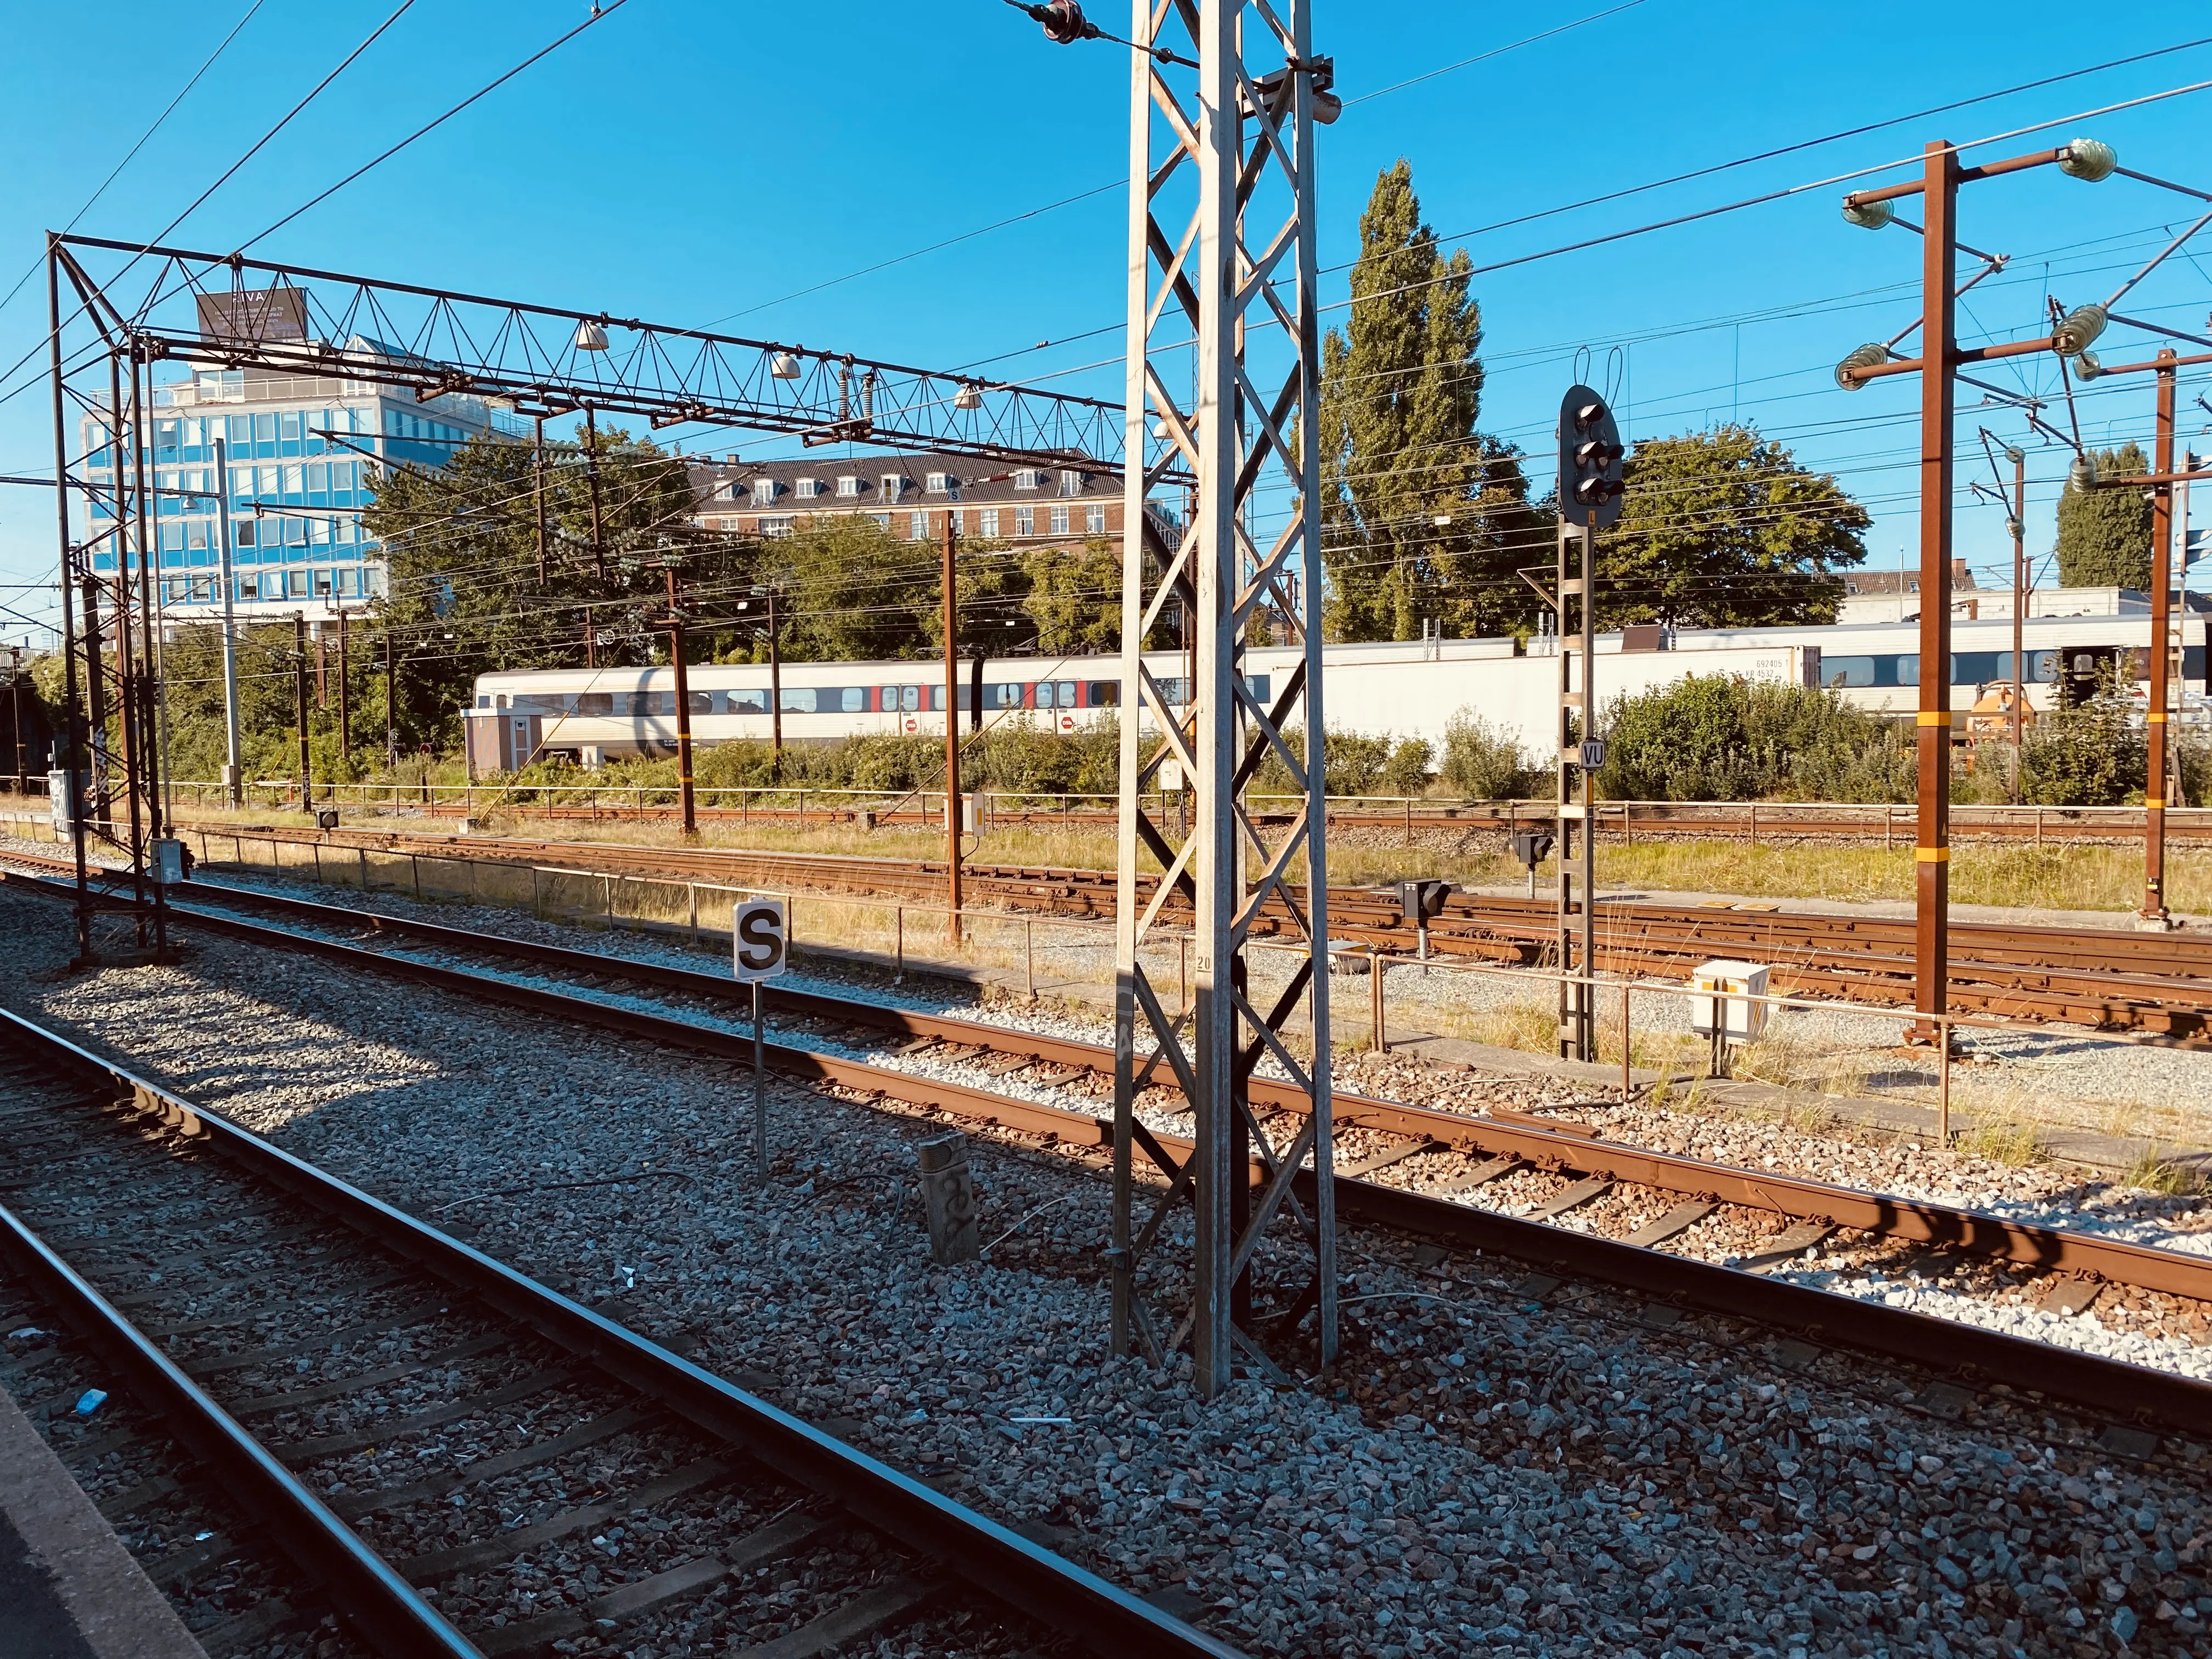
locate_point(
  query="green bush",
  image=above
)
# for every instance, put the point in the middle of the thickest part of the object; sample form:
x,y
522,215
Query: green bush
x,y
1482,763
1711,737
1406,772
1352,763
2090,754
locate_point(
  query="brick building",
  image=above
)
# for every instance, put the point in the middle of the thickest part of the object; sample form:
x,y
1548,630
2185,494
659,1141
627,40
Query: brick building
x,y
909,495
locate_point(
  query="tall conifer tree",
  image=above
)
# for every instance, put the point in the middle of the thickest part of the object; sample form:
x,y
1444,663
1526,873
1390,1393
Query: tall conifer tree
x,y
1421,516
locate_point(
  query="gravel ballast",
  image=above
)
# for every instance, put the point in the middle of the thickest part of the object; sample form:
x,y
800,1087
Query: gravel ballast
x,y
1485,1471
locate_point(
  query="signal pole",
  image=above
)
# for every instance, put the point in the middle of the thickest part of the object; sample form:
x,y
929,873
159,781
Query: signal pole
x,y
684,792
2019,527
233,786
1590,487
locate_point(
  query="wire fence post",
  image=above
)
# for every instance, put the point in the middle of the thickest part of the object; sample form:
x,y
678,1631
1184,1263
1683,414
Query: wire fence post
x,y
692,887
898,950
1029,956
1381,1039
1943,1082
537,904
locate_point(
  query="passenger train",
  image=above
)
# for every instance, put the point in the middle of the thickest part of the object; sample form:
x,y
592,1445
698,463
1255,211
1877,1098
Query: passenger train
x,y
1398,689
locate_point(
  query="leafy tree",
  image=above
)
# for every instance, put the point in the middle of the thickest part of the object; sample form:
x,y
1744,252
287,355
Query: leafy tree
x,y
852,591
1075,598
462,544
1724,529
1418,510
2105,535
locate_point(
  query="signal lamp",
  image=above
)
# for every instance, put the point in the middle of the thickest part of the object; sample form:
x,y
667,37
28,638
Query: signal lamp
x,y
784,366
968,396
1867,357
2088,160
591,335
1869,216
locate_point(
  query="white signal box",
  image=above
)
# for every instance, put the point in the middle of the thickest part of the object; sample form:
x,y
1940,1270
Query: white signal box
x,y
1720,999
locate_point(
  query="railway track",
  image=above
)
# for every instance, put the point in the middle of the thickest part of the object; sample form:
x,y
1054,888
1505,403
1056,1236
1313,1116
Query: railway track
x,y
373,1421
1592,1208
1751,823
2155,984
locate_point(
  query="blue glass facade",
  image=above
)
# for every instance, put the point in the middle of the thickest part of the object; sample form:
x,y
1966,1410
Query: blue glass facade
x,y
302,455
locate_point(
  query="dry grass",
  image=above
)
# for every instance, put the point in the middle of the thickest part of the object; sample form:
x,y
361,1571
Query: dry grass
x,y
2003,1133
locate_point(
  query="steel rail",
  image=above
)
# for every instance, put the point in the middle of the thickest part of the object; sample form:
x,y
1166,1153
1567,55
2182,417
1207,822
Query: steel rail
x,y
1003,1564
2014,972
2108,1386
380,1604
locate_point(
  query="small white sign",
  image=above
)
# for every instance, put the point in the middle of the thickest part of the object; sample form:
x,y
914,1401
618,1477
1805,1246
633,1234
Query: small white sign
x,y
759,942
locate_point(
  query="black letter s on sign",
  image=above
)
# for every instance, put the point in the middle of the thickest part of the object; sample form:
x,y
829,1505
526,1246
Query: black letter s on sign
x,y
757,933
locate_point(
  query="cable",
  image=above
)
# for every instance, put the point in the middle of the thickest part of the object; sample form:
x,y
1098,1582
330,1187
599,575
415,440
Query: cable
x,y
598,12
116,172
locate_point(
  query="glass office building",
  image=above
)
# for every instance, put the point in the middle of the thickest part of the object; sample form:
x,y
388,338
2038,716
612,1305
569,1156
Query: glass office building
x,y
303,454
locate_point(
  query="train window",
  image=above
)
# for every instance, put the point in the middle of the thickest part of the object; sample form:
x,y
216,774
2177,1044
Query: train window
x,y
501,701
1105,694
853,698
1261,686
1044,694
937,697
1003,697
701,703
799,699
1067,694
484,702
909,698
596,702
1174,691
2192,662
1839,673
1907,669
2043,667
1974,667
748,702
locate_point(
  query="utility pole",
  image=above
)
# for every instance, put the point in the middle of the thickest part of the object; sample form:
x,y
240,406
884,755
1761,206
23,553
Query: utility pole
x,y
590,641
538,474
1220,162
2155,914
322,676
1931,948
391,699
2019,527
233,784
591,471
683,707
1938,366
72,731
15,699
300,680
345,724
775,692
97,701
952,726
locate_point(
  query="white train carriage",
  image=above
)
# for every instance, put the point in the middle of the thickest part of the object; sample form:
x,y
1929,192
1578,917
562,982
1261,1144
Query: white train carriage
x,y
1402,690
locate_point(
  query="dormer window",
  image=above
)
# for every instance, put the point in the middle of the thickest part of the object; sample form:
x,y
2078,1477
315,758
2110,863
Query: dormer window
x,y
1071,483
940,483
848,489
893,483
763,492
808,488
1026,480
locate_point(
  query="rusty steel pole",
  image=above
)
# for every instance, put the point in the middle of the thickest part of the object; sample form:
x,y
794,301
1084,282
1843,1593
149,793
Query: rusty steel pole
x,y
537,480
1938,353
952,728
2018,606
345,709
684,793
70,749
2155,911
776,696
300,698
591,471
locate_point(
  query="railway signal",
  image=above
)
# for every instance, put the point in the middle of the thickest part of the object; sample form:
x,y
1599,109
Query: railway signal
x,y
760,949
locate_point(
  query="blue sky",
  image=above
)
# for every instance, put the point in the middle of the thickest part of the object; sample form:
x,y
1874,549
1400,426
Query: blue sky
x,y
698,163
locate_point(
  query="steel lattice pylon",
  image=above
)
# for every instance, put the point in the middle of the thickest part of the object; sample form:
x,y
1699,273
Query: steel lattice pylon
x,y
1222,243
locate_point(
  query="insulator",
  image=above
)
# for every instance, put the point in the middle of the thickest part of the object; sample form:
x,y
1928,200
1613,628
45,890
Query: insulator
x,y
2081,329
1869,216
1063,21
2088,160
1867,357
